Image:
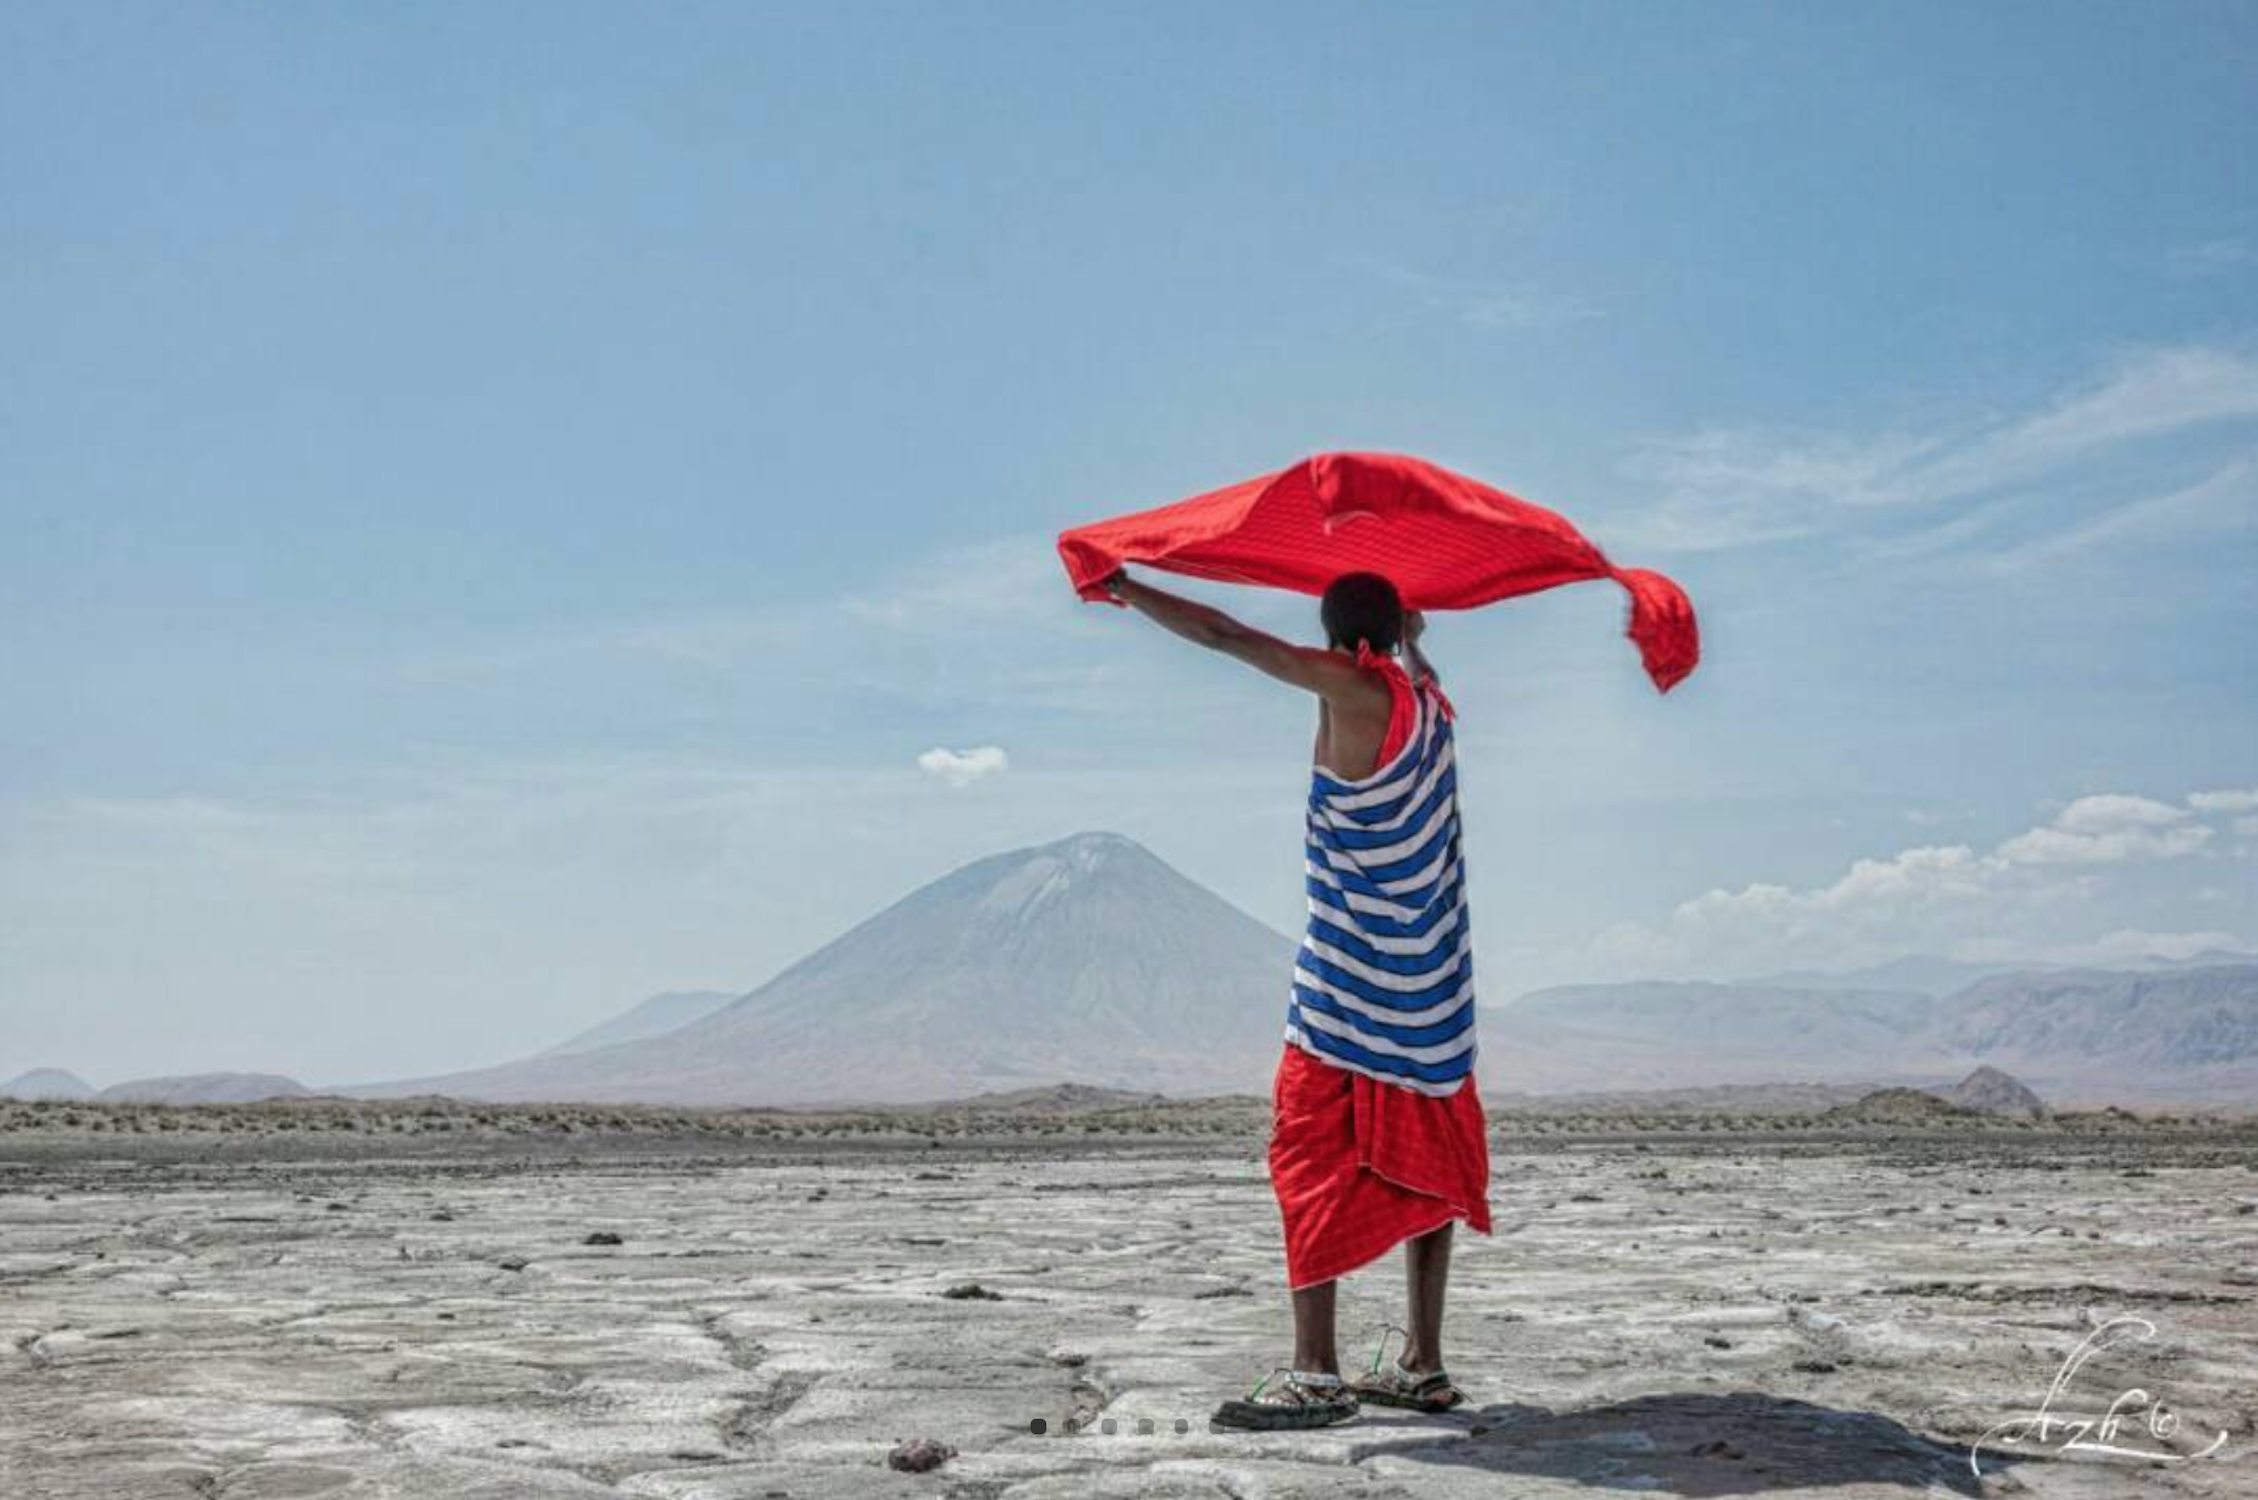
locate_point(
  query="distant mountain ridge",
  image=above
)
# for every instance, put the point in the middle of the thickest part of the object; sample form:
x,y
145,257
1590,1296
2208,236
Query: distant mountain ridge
x,y
2187,1032
205,1088
1085,961
46,1083
2199,1025
653,1017
1676,1035
1923,973
1091,963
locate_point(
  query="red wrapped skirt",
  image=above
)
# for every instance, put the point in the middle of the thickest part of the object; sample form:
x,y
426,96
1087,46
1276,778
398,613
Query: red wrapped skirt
x,y
1360,1166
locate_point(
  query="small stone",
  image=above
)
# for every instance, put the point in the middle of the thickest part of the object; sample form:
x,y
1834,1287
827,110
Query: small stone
x,y
919,1455
971,1291
513,1263
602,1237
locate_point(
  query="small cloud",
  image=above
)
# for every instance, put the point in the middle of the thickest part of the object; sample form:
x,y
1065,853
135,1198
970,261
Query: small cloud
x,y
2106,829
2225,802
964,767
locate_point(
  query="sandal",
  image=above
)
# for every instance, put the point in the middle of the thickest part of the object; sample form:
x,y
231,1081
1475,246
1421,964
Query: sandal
x,y
1408,1389
1303,1399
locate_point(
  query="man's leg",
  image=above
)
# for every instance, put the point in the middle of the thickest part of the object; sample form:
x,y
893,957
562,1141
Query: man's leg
x,y
1426,1263
1281,1404
1314,1351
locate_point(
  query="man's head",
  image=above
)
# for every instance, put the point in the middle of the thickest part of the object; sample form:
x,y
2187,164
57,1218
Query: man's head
x,y
1362,607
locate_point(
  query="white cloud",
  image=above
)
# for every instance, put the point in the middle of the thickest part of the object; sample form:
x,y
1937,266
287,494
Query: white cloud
x,y
2115,812
2022,899
2164,391
980,626
2225,801
964,767
2222,502
2107,829
1730,488
1723,487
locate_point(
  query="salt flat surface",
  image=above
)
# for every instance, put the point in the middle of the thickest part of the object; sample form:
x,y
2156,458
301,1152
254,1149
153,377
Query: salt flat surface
x,y
1678,1318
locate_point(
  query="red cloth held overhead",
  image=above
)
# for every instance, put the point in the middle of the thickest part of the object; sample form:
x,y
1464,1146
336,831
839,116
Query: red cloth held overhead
x,y
1444,540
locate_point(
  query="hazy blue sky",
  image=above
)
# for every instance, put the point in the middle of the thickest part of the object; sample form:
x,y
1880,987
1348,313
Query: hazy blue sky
x,y
495,501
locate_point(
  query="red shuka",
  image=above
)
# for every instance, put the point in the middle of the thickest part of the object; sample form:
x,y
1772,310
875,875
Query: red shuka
x,y
1360,1166
1444,540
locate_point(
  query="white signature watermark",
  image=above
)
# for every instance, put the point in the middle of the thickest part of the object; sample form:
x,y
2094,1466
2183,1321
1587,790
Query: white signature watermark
x,y
2135,1425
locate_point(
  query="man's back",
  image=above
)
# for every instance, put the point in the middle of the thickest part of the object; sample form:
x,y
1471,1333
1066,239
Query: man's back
x,y
1349,735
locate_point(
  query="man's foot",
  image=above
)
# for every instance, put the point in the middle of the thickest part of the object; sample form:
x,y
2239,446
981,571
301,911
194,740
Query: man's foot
x,y
1303,1399
1412,1390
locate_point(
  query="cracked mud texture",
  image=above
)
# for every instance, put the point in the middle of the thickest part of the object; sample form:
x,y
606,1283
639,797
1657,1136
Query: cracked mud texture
x,y
1683,1313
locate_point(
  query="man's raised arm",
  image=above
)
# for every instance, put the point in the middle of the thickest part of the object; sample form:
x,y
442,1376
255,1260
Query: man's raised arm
x,y
1415,627
1329,674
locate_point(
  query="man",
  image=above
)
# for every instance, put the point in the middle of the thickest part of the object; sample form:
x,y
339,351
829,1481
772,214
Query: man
x,y
1377,1135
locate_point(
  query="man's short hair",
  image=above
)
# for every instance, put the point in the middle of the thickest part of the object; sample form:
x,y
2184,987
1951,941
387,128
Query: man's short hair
x,y
1362,607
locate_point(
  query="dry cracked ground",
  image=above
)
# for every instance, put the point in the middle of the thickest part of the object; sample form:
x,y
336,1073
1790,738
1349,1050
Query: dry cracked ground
x,y
1675,1315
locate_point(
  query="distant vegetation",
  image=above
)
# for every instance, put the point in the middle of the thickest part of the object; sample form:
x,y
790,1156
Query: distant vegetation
x,y
371,1127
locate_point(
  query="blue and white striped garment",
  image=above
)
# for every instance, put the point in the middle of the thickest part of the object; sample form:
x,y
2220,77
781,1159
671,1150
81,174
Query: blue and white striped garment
x,y
1384,982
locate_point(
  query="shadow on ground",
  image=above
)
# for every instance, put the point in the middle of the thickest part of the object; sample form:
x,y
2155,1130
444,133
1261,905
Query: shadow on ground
x,y
1698,1445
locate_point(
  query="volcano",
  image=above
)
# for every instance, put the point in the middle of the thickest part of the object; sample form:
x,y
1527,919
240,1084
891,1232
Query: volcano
x,y
1087,961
